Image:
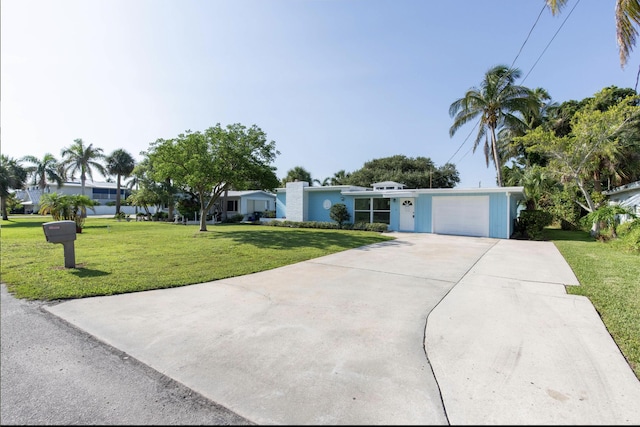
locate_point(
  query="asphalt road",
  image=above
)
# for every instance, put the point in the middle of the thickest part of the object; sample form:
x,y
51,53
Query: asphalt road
x,y
53,373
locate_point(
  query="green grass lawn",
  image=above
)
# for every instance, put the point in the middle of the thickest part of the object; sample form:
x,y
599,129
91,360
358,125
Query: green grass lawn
x,y
114,257
117,257
610,277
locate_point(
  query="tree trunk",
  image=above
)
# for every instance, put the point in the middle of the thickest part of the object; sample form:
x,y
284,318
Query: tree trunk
x,y
3,207
203,214
595,227
224,205
496,157
118,194
203,220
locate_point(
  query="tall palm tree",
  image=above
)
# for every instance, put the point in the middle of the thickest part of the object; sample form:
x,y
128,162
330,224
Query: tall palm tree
x,y
12,177
43,170
530,120
497,101
627,15
120,163
81,158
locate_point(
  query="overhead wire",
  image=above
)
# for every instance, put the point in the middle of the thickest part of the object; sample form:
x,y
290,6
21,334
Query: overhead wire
x,y
513,63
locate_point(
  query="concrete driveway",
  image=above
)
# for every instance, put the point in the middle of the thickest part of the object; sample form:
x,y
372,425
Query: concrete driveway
x,y
425,329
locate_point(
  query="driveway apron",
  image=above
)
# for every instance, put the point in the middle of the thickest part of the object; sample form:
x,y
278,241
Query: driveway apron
x,y
353,337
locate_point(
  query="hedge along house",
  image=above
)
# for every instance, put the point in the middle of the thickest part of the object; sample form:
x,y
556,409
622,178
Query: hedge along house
x,y
479,212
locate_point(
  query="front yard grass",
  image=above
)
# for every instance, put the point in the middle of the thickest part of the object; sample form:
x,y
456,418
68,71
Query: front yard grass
x,y
114,257
610,277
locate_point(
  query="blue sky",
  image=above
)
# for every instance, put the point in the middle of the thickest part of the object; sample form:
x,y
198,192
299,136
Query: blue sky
x,y
334,83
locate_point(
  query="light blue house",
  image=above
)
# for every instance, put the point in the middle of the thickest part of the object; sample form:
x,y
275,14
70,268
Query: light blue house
x,y
481,212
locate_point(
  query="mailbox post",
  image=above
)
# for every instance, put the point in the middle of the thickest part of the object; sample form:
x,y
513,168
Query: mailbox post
x,y
63,232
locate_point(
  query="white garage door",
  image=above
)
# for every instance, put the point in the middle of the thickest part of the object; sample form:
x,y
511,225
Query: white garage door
x,y
463,215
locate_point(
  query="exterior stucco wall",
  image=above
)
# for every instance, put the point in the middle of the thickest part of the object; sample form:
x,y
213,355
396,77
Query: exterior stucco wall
x,y
317,210
503,208
297,201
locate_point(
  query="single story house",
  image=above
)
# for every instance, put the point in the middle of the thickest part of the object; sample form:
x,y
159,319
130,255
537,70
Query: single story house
x,y
250,203
627,196
481,212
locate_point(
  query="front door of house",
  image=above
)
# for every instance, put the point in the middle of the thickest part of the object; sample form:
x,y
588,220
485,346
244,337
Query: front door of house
x,y
407,215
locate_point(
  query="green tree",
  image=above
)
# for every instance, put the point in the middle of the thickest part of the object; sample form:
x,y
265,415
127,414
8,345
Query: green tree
x,y
340,178
120,163
419,172
595,135
83,159
43,170
12,177
297,173
339,213
498,102
206,163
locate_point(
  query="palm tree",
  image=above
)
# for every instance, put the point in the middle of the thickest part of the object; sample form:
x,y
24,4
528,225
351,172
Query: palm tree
x,y
43,170
12,176
121,164
496,101
298,173
627,16
340,177
79,158
324,182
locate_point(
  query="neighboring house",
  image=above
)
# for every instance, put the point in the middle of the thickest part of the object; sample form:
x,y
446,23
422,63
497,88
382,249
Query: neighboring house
x,y
102,192
249,203
238,202
627,196
482,212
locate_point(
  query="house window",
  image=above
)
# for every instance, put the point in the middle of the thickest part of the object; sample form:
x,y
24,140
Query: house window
x,y
372,209
232,206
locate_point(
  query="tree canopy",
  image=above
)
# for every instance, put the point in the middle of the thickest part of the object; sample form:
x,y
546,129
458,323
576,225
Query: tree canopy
x,y
120,163
210,162
599,139
297,173
419,172
83,159
12,177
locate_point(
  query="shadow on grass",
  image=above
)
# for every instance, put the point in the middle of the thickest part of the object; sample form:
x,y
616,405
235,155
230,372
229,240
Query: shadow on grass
x,y
567,235
25,224
281,238
87,272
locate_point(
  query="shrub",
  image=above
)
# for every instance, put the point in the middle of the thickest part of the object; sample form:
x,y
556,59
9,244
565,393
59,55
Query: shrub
x,y
607,216
371,226
629,233
160,216
530,223
339,214
71,207
233,219
365,226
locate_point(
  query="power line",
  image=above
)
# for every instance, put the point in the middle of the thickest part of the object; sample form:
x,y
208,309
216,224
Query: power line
x,y
529,35
552,38
463,142
517,56
514,61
